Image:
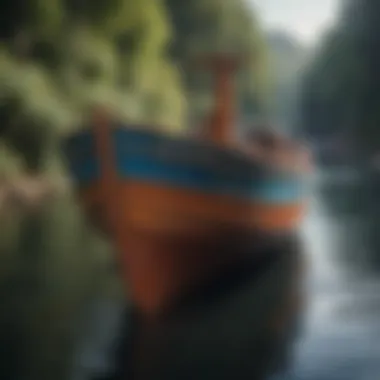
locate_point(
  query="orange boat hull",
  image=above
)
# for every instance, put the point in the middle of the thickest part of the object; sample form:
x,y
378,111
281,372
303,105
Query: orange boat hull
x,y
171,211
178,210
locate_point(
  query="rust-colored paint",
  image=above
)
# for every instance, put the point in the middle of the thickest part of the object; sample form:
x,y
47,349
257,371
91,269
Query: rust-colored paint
x,y
160,268
221,123
171,211
157,266
169,238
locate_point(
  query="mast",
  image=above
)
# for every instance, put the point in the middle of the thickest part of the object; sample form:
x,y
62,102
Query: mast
x,y
221,127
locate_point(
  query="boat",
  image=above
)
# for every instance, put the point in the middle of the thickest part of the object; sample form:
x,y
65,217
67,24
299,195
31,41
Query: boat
x,y
169,200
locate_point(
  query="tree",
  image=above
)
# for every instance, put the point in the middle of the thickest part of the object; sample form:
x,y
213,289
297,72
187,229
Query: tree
x,y
343,81
57,59
61,57
341,98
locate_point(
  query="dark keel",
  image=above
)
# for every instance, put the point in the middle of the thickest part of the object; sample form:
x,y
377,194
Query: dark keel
x,y
221,329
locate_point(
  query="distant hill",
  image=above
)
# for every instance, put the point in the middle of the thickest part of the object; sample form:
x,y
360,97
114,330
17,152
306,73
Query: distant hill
x,y
287,58
284,43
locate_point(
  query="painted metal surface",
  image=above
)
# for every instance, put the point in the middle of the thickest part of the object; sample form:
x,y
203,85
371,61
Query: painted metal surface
x,y
188,165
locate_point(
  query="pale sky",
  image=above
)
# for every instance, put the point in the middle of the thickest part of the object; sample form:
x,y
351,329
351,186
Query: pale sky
x,y
307,19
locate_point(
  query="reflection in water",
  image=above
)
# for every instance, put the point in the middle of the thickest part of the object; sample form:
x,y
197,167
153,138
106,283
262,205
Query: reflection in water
x,y
342,334
321,240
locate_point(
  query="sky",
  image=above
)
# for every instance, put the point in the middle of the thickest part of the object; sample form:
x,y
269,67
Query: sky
x,y
305,19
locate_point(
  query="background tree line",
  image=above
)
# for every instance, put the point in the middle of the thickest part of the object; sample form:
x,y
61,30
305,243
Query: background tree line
x,y
341,90
341,106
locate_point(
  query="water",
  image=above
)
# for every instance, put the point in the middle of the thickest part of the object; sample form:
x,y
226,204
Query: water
x,y
341,340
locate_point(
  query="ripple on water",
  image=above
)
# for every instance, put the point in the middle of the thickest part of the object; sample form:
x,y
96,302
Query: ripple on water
x,y
342,334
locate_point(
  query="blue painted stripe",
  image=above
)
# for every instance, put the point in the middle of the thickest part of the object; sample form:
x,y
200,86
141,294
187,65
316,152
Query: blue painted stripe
x,y
179,151
277,191
192,178
138,157
196,180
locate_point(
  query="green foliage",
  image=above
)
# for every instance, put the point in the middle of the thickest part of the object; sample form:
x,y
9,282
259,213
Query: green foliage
x,y
54,64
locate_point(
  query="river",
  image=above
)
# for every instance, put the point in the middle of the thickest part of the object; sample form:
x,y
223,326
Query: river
x,y
341,335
